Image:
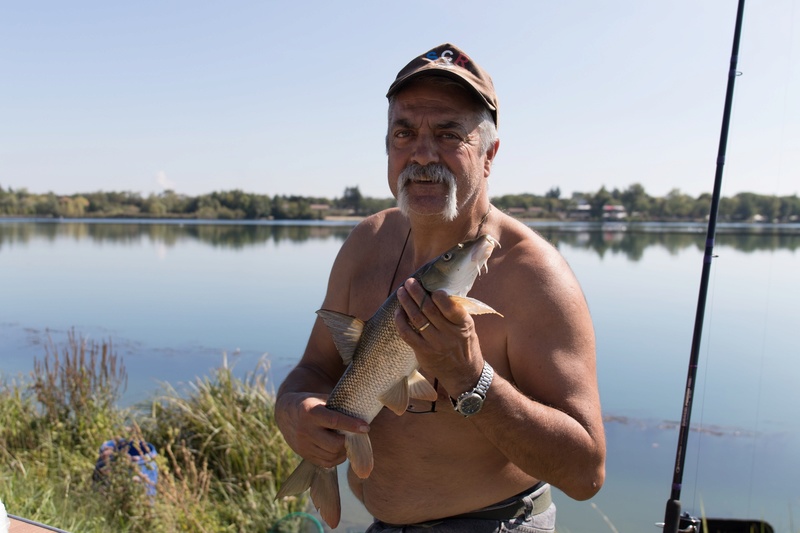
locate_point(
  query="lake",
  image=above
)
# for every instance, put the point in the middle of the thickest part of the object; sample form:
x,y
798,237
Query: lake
x,y
173,297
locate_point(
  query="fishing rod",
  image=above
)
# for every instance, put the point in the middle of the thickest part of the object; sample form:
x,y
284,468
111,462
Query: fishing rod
x,y
672,515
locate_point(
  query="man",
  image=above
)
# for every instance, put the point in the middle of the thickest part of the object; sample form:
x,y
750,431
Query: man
x,y
534,369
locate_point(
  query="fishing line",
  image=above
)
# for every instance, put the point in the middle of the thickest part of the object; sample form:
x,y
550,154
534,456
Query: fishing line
x,y
672,513
756,436
707,362
706,372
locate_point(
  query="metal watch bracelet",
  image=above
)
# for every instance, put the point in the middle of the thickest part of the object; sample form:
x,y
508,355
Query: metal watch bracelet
x,y
471,402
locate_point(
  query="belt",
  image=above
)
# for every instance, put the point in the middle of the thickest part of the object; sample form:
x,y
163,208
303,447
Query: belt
x,y
511,510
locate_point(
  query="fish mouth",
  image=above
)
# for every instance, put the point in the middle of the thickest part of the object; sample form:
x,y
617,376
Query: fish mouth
x,y
457,280
482,251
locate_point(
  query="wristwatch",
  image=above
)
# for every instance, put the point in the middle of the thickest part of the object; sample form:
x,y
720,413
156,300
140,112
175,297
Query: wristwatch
x,y
471,402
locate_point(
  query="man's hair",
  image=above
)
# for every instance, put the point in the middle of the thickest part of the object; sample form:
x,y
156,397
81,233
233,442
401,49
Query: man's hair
x,y
487,129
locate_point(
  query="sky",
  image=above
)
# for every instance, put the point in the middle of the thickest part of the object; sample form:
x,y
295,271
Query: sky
x,y
289,97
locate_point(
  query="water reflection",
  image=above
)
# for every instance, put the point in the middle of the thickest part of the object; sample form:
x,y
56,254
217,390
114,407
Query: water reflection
x,y
630,240
170,233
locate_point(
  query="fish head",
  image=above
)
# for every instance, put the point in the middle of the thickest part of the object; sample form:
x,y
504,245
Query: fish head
x,y
456,269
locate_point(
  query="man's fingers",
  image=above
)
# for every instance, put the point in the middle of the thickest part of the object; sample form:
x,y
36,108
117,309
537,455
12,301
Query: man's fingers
x,y
330,419
449,309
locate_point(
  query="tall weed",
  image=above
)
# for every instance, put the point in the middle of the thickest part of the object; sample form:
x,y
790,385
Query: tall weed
x,y
222,431
220,452
78,388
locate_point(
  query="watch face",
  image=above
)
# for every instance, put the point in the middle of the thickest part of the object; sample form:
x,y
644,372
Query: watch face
x,y
470,405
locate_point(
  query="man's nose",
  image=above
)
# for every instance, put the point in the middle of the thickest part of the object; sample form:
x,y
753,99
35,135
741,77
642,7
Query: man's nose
x,y
425,150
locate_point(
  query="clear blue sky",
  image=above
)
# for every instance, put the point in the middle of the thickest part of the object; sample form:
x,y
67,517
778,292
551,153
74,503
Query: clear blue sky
x,y
288,97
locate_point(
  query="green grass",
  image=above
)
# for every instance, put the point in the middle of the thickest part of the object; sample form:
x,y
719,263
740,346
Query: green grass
x,y
220,452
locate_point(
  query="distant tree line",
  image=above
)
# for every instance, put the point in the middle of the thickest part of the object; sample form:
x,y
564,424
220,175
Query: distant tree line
x,y
227,205
633,204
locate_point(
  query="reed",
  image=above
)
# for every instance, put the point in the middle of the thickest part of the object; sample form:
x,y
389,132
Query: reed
x,y
220,452
220,435
77,388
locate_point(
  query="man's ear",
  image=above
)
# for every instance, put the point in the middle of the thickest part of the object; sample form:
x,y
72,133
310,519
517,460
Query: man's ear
x,y
490,155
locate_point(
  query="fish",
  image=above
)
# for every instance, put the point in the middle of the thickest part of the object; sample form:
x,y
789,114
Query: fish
x,y
382,369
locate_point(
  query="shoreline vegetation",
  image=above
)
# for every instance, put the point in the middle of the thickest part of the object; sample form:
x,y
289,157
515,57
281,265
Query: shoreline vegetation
x,y
220,456
632,204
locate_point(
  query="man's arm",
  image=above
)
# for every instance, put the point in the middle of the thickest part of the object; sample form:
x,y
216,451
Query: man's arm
x,y
543,411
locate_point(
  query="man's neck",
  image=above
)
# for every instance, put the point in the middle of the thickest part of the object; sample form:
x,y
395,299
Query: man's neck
x,y
431,236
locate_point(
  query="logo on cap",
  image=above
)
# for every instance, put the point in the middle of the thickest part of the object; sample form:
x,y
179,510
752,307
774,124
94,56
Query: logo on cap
x,y
446,58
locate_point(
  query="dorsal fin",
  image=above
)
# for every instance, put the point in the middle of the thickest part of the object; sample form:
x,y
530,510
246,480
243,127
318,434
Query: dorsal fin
x,y
346,332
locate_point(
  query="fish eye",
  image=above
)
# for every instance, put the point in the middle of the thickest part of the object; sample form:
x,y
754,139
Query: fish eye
x,y
447,256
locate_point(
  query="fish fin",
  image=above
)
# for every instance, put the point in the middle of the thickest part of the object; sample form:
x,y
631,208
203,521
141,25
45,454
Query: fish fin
x,y
396,398
346,332
324,484
473,306
420,388
359,452
325,495
298,481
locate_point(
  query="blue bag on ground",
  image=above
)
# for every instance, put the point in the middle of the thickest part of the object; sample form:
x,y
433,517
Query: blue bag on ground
x,y
140,453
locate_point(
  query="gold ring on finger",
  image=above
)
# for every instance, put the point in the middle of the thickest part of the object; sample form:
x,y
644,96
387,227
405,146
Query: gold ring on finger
x,y
422,328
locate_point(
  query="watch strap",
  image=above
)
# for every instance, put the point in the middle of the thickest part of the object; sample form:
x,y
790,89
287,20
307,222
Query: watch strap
x,y
481,388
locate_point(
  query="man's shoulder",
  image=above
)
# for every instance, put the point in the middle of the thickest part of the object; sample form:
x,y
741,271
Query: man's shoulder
x,y
528,266
524,246
366,261
381,221
384,228
373,237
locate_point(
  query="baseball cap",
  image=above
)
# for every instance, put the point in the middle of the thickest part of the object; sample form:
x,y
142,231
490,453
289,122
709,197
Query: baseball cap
x,y
450,61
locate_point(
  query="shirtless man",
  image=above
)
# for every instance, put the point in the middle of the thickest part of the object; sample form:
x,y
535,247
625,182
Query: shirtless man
x,y
540,421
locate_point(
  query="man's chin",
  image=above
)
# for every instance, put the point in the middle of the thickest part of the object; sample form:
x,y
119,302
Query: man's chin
x,y
445,214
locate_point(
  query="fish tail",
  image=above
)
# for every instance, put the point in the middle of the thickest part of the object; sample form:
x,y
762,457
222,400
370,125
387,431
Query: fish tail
x,y
324,484
298,481
325,495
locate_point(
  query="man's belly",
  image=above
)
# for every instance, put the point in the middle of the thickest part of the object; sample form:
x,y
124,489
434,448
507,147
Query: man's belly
x,y
433,465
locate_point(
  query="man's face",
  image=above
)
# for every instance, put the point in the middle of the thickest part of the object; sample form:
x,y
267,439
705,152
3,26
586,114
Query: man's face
x,y
436,128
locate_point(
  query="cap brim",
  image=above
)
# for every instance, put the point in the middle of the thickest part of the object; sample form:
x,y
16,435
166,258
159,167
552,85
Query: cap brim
x,y
399,83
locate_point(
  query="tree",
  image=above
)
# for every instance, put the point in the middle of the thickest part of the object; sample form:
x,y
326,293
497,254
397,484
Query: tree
x,y
554,193
598,202
677,204
635,200
352,199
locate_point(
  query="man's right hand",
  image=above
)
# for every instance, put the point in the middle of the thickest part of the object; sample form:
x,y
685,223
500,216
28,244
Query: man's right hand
x,y
312,430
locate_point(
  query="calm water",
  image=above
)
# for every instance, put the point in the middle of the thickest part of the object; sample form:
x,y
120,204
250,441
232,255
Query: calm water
x,y
174,297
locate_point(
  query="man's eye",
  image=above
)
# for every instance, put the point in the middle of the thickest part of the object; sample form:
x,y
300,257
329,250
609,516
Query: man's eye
x,y
402,134
451,139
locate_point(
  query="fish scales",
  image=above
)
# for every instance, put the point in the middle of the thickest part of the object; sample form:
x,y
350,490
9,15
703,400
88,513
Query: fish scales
x,y
380,361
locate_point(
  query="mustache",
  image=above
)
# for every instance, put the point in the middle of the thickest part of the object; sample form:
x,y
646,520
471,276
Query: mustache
x,y
434,172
